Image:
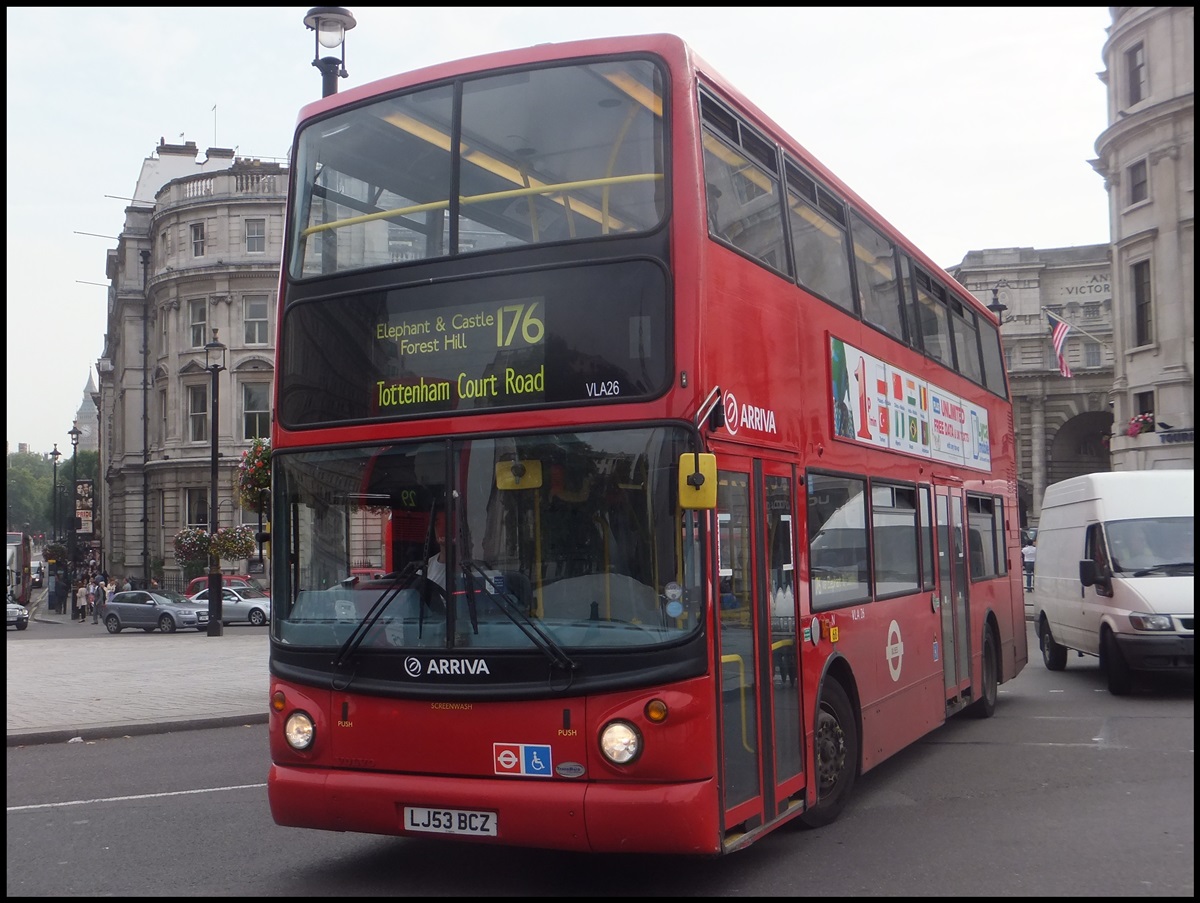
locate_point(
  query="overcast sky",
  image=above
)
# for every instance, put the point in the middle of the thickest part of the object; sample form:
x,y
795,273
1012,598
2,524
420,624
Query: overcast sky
x,y
966,128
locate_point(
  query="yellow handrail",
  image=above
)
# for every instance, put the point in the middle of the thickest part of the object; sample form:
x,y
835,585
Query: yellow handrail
x,y
481,198
729,660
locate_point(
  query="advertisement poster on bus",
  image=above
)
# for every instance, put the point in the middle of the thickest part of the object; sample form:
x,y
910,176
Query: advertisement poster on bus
x,y
883,406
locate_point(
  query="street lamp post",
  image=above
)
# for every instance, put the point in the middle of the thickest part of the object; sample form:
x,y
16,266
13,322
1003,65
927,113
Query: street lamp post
x,y
74,432
214,363
997,306
56,454
330,24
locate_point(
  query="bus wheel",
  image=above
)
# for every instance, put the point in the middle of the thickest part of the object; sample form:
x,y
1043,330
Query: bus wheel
x,y
1112,663
836,756
985,705
1054,656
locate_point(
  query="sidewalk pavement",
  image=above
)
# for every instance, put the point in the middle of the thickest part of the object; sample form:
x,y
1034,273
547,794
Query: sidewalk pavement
x,y
132,683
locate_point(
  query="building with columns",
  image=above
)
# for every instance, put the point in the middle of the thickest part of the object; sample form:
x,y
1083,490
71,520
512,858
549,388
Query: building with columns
x,y
1147,157
197,258
1062,424
1130,303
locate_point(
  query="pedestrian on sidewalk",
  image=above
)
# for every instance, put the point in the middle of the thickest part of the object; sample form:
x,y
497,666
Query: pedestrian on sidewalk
x,y
91,601
1028,557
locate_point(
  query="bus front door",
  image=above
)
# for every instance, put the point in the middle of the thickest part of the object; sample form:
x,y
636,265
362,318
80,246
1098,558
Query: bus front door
x,y
762,761
953,594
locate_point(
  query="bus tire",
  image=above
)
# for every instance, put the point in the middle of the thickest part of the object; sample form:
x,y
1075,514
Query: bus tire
x,y
836,756
1112,663
989,680
1054,656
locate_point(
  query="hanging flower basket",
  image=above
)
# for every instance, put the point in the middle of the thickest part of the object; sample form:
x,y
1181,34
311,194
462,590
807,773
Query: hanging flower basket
x,y
254,475
191,546
233,542
1140,423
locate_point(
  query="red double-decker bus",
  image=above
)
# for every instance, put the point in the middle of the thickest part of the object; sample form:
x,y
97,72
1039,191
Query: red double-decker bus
x,y
691,481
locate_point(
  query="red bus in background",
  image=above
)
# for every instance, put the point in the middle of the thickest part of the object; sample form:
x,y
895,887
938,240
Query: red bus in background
x,y
725,466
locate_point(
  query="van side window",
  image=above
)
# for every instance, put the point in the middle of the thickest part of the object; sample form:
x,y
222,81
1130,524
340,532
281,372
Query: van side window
x,y
1095,548
1093,545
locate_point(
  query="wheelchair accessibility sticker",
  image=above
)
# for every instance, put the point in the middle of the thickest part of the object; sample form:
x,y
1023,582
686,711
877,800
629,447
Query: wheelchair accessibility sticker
x,y
532,760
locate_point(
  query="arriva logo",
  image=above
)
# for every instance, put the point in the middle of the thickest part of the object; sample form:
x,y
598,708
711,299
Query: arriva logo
x,y
750,416
453,667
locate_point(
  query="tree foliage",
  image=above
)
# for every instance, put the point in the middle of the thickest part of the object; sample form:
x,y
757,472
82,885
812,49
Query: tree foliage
x,y
31,489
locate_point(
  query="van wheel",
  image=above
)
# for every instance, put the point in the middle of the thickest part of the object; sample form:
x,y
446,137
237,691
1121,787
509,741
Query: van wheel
x,y
836,756
1112,663
1054,656
989,680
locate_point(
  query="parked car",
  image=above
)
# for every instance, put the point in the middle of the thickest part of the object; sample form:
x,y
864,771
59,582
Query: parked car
x,y
198,583
158,610
18,615
240,603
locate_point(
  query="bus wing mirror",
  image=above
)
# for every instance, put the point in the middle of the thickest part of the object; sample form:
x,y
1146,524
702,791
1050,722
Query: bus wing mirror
x,y
519,475
697,481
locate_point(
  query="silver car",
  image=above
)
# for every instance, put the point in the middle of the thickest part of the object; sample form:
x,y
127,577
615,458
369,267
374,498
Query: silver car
x,y
18,615
159,610
240,604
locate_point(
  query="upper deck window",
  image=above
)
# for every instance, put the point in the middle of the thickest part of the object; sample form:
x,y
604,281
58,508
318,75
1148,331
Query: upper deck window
x,y
519,158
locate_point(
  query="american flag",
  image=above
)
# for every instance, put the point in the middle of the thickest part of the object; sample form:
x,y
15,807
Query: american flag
x,y
1058,331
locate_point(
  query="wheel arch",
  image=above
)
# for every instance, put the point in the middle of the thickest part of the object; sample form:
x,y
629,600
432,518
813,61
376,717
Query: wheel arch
x,y
992,624
838,668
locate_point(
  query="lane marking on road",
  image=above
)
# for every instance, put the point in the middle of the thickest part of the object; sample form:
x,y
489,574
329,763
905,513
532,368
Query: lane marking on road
x,y
140,796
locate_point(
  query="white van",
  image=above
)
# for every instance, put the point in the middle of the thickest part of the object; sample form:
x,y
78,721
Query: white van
x,y
1115,573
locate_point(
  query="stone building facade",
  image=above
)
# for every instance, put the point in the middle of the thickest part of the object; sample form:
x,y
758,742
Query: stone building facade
x,y
199,252
1147,156
1130,303
1062,424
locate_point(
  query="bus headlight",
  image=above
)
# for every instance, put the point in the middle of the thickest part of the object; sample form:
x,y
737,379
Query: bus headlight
x,y
620,742
298,730
1150,622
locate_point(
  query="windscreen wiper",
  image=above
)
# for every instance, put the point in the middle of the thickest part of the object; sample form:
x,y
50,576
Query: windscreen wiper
x,y
1142,572
503,600
400,582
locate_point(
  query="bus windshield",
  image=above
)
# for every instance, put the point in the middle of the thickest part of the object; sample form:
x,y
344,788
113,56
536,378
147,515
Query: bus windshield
x,y
545,155
560,541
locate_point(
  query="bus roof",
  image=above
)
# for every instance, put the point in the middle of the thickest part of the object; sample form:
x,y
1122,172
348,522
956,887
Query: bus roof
x,y
677,52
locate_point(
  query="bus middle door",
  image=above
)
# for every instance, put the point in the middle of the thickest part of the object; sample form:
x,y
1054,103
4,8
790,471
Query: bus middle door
x,y
760,697
953,594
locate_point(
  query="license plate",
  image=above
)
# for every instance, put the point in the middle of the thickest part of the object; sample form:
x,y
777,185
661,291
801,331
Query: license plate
x,y
450,821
